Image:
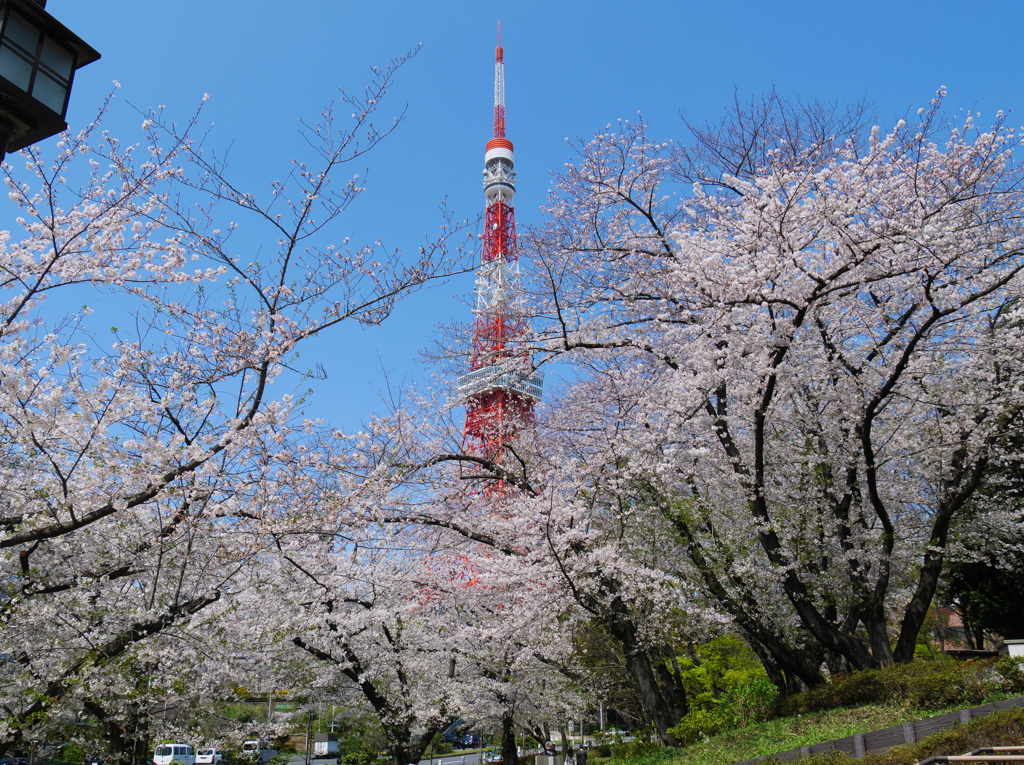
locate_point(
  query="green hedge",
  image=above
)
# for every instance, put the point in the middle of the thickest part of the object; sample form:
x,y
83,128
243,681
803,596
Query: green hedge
x,y
921,685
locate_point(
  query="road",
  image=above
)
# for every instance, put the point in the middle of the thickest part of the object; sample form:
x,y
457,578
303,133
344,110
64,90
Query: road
x,y
471,758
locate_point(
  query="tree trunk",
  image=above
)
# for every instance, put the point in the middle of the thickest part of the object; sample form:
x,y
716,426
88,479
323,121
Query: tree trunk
x,y
509,751
403,750
640,667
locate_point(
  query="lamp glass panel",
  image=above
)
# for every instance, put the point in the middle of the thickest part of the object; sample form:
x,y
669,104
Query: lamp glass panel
x,y
15,68
50,91
22,33
58,58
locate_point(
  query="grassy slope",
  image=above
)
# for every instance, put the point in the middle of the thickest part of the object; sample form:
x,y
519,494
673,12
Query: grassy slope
x,y
870,701
781,734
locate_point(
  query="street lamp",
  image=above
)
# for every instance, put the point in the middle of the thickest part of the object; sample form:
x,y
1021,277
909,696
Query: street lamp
x,y
38,59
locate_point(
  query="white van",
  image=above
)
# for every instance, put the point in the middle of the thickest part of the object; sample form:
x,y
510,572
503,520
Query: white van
x,y
165,754
209,756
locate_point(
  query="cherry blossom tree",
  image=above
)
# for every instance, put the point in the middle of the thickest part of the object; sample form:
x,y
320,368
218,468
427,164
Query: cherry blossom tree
x,y
351,603
138,465
551,551
422,623
800,341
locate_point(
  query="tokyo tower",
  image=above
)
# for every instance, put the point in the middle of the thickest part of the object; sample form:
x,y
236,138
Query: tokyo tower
x,y
502,386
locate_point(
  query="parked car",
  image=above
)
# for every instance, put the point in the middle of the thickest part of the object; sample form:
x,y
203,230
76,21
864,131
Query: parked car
x,y
165,754
209,756
258,751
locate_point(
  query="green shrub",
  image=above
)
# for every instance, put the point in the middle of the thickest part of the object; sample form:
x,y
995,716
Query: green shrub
x,y
639,748
642,752
736,709
716,668
1011,670
700,724
920,684
749,702
359,754
72,752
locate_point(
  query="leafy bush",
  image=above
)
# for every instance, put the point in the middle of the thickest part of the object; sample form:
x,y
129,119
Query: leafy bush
x,y
700,724
358,754
738,708
749,702
1011,670
716,668
642,752
635,751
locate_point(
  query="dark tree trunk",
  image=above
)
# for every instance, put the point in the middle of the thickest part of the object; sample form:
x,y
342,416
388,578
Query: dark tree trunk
x,y
509,752
788,682
672,687
640,666
128,741
406,749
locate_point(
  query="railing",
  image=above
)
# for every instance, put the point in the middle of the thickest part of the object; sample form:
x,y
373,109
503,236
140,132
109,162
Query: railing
x,y
513,375
985,754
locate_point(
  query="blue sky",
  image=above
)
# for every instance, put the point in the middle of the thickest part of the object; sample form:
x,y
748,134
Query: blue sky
x,y
571,68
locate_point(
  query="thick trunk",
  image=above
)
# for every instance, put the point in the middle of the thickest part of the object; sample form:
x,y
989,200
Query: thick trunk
x,y
127,740
672,687
509,752
641,669
778,662
878,634
405,748
960,489
401,753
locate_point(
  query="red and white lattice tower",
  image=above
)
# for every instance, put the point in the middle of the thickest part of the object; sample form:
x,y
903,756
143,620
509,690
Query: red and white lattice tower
x,y
502,386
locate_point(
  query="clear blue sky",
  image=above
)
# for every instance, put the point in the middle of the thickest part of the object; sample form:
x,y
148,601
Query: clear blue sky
x,y
571,68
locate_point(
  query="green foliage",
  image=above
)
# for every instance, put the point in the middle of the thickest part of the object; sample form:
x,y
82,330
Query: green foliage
x,y
700,724
442,747
243,713
726,687
990,592
1005,677
356,752
738,708
716,668
72,752
923,685
749,702
640,751
780,734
